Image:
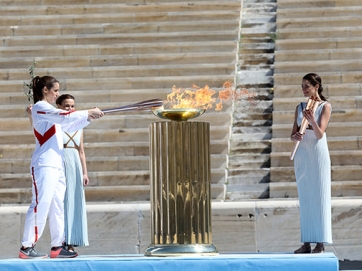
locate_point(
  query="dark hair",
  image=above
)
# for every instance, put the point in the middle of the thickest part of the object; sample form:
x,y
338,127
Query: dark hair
x,y
39,83
315,79
63,97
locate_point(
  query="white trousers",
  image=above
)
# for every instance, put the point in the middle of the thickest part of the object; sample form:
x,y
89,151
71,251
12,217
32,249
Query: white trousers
x,y
48,190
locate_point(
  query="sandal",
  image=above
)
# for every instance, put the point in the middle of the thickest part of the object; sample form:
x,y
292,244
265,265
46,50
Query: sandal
x,y
305,248
319,248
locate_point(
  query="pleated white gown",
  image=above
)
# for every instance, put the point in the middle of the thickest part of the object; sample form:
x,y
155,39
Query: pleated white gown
x,y
312,167
75,213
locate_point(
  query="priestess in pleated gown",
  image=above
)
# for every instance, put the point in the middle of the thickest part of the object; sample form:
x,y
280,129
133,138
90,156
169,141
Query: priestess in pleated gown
x,y
75,214
313,175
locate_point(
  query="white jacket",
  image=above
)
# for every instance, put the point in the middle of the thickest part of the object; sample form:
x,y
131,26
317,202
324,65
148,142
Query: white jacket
x,y
48,123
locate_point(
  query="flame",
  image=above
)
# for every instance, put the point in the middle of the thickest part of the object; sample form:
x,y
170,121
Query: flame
x,y
205,98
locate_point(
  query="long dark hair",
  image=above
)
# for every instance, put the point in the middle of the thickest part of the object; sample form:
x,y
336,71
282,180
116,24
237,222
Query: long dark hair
x,y
39,83
315,79
63,97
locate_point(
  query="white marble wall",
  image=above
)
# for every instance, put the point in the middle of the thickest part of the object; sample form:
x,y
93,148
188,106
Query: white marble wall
x,y
247,226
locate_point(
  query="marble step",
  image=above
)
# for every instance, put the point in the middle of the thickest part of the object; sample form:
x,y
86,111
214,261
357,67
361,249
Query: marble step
x,y
318,55
248,176
251,118
265,27
154,70
99,194
250,19
51,40
325,22
337,129
329,90
320,65
318,43
256,48
322,32
111,8
114,17
105,135
339,173
213,81
329,78
336,143
338,115
256,3
251,135
312,12
93,2
251,131
338,189
338,103
256,7
128,51
103,178
259,120
123,97
256,38
152,17
99,164
246,192
247,161
247,110
255,59
109,98
113,28
252,147
119,121
87,66
9,151
338,158
297,4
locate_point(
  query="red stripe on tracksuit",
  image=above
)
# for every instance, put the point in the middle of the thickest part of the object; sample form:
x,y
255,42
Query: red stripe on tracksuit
x,y
44,138
36,206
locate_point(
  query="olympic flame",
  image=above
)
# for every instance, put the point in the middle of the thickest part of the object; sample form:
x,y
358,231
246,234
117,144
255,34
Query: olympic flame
x,y
204,97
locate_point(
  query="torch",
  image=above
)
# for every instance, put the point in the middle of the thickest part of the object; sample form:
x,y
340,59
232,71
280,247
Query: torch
x,y
144,105
312,103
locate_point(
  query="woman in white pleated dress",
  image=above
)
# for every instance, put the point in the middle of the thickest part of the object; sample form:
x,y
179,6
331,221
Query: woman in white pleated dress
x,y
75,169
312,168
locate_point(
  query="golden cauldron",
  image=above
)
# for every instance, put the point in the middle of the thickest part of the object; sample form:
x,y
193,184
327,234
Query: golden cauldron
x,y
180,184
179,114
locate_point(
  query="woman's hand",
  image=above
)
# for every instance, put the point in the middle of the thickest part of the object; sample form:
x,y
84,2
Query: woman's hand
x,y
309,115
28,109
95,113
85,180
297,137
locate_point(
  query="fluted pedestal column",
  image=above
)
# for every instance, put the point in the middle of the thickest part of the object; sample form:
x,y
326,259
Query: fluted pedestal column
x,y
180,189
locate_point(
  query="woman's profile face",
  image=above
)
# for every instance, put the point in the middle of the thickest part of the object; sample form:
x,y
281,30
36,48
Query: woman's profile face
x,y
50,95
308,89
67,104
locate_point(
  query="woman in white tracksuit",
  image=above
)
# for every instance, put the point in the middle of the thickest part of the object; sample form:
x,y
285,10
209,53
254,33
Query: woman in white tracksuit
x,y
48,181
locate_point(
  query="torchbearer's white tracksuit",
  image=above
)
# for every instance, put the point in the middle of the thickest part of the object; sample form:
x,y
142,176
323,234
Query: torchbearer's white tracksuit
x,y
48,181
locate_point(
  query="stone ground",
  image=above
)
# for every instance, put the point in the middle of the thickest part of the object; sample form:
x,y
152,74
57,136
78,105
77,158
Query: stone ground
x,y
350,265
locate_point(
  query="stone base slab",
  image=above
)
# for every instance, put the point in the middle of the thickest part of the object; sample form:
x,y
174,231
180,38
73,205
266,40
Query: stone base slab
x,y
237,227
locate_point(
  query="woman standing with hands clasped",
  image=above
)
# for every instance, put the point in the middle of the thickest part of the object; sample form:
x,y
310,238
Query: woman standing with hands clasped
x,y
312,168
47,171
75,167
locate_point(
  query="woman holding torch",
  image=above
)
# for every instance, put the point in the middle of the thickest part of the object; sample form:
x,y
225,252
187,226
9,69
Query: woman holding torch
x,y
48,180
312,167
